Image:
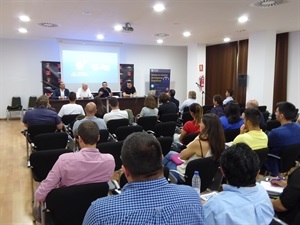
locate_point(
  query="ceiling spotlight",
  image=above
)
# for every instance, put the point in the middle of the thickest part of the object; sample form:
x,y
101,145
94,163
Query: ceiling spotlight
x,y
227,39
160,41
159,7
127,27
24,18
100,36
243,19
22,30
118,27
186,34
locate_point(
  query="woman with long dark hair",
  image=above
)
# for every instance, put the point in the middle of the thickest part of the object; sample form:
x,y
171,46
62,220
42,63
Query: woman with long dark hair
x,y
101,109
232,119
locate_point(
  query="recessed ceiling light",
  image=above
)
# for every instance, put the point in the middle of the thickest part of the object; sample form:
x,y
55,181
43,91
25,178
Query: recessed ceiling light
x,y
186,34
159,7
227,39
243,19
160,41
118,27
100,36
22,30
24,18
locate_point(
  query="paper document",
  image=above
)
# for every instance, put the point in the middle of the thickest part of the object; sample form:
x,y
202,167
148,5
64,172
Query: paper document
x,y
205,197
267,185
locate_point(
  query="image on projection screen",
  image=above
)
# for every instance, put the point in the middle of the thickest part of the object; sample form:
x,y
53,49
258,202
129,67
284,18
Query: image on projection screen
x,y
89,67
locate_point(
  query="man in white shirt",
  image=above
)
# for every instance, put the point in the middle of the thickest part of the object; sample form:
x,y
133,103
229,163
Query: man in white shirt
x,y
115,112
228,94
71,108
84,92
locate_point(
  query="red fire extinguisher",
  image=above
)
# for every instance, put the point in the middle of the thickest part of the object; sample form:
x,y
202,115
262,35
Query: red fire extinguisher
x,y
201,81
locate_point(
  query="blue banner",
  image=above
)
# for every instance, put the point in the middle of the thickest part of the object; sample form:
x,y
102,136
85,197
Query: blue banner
x,y
160,80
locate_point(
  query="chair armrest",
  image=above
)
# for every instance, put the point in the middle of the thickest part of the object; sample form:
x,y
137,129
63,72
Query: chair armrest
x,y
180,174
114,187
274,156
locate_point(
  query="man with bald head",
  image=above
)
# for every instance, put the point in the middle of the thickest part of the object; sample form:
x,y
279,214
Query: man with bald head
x,y
84,92
90,111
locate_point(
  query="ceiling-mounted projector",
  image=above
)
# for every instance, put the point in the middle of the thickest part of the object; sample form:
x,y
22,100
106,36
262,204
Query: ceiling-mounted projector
x,y
128,27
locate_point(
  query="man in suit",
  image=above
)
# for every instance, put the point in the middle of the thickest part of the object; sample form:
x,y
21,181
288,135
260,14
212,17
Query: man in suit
x,y
61,92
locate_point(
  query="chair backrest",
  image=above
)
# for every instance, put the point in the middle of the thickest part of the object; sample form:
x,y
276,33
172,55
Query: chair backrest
x,y
32,102
104,134
40,129
147,122
48,141
113,148
186,109
262,155
266,115
207,169
186,116
123,132
41,162
112,125
207,108
231,134
165,143
67,119
68,205
168,117
288,156
189,138
165,129
16,101
272,124
262,108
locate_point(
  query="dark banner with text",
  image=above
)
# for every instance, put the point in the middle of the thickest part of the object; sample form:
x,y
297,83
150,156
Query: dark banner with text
x,y
159,81
51,76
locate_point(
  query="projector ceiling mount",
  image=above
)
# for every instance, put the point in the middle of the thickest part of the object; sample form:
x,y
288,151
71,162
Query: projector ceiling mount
x,y
127,27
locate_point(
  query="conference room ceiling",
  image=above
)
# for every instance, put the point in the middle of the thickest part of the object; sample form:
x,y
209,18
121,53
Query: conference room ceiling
x,y
209,21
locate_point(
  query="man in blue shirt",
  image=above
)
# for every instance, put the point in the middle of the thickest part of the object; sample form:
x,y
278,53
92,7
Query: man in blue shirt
x,y
242,201
147,198
287,134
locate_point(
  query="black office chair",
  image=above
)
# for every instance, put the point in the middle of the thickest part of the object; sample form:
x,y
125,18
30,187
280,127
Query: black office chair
x,y
147,122
165,129
113,148
123,132
287,157
189,138
231,134
272,124
186,109
68,119
186,116
104,136
16,106
262,155
31,103
266,115
262,108
68,205
165,143
50,141
112,125
207,108
167,117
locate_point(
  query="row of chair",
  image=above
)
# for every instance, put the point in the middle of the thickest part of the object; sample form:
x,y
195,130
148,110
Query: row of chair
x,y
16,106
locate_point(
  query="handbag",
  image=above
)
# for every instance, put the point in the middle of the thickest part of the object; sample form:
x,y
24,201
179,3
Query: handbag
x,y
176,159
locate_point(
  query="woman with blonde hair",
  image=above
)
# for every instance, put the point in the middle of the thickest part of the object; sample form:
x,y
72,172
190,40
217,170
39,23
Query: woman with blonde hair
x,y
192,126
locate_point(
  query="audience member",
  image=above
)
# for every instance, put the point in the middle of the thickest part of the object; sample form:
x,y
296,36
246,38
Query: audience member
x,y
218,106
71,108
242,201
101,109
42,115
232,119
104,91
190,100
254,104
287,134
287,205
129,89
147,198
61,92
210,142
84,92
150,107
83,167
172,93
115,112
166,106
193,126
90,110
228,94
250,132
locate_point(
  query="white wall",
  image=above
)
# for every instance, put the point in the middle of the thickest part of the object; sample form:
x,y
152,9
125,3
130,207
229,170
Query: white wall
x,y
293,81
20,67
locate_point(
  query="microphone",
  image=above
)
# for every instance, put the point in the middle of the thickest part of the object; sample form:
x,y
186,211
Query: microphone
x,y
197,84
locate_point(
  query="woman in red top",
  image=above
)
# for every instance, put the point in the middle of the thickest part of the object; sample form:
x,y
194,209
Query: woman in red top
x,y
192,126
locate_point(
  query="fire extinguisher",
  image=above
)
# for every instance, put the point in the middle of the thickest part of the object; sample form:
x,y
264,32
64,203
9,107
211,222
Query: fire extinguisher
x,y
201,81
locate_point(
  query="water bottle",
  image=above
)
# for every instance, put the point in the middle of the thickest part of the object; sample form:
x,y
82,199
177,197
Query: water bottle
x,y
196,182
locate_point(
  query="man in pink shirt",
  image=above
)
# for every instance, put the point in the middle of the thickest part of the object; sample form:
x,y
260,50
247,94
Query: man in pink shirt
x,y
83,167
